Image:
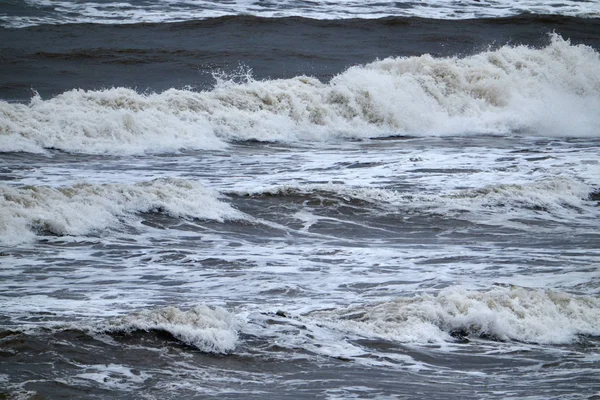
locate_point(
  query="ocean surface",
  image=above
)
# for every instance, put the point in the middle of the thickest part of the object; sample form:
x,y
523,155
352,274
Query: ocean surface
x,y
299,199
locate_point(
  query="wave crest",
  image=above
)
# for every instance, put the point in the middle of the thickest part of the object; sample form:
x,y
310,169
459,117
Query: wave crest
x,y
552,195
84,208
550,91
212,330
502,313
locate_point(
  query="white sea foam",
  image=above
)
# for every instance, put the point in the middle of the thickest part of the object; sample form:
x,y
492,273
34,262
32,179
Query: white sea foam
x,y
552,91
504,313
213,330
114,121
84,208
116,12
109,376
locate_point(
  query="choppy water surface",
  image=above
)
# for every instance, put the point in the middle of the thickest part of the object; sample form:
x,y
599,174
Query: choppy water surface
x,y
408,266
315,204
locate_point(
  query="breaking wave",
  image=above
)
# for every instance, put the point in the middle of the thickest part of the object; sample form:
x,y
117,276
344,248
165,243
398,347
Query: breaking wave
x,y
212,330
85,208
551,91
502,313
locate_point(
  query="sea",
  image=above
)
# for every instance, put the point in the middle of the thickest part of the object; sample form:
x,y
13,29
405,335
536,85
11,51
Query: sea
x,y
299,199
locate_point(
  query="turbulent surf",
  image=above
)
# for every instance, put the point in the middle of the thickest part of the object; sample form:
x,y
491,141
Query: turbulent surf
x,y
299,200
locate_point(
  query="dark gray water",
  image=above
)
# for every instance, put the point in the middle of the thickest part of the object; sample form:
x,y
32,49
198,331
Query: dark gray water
x,y
51,59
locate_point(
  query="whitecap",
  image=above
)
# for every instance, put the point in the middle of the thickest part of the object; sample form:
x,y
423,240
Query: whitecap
x,y
551,91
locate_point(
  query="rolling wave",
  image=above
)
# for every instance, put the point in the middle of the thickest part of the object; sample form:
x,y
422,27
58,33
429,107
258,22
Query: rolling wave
x,y
89,209
552,198
83,209
212,330
552,91
502,313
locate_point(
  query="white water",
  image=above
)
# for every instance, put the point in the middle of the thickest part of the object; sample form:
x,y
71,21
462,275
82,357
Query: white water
x,y
552,91
113,12
405,255
513,313
211,330
84,209
552,195
462,261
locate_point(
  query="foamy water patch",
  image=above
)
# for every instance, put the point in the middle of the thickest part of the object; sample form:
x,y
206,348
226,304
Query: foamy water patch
x,y
108,376
212,330
551,91
502,313
84,208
